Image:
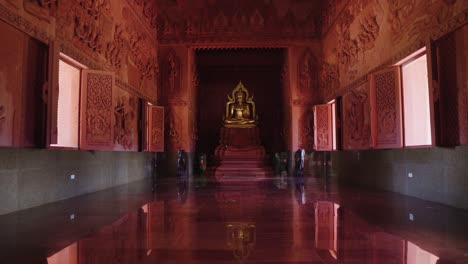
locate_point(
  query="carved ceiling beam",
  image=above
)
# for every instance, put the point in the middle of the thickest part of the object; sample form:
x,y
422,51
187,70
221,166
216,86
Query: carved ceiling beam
x,y
243,44
22,23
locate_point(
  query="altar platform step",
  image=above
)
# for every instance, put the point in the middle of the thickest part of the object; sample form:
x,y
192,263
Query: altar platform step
x,y
242,173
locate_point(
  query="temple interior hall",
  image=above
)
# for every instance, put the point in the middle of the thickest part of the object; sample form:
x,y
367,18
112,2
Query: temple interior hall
x,y
247,131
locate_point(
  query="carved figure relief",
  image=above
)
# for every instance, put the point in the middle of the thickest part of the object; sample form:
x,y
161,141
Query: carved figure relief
x,y
88,23
174,130
117,49
240,20
125,121
356,118
157,129
350,47
142,53
369,31
307,73
172,74
329,80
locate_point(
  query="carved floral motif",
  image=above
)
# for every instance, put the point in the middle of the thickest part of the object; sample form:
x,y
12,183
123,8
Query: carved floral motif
x,y
322,126
386,107
23,24
99,108
329,80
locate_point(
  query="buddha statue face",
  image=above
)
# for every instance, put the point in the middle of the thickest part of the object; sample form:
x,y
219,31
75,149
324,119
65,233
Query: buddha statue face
x,y
240,97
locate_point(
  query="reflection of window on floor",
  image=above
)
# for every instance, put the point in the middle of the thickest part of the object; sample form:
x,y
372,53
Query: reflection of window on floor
x,y
416,255
416,107
326,227
68,255
68,104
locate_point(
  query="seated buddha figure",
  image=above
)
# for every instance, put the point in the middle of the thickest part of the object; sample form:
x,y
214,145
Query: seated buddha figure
x,y
240,109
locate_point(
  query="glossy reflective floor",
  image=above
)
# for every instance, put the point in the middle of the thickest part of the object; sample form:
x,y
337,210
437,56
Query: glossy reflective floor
x,y
282,220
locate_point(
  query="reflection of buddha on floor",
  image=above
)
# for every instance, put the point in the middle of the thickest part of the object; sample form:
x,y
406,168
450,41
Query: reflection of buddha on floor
x,y
240,109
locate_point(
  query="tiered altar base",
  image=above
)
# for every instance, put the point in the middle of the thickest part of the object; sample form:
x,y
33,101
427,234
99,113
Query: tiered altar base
x,y
240,156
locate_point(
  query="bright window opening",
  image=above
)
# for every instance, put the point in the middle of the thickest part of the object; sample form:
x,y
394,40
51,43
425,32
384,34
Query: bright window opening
x,y
417,116
334,137
416,255
68,255
68,105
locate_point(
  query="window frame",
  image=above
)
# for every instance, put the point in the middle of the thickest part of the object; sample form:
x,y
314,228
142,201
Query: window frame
x,y
424,51
55,56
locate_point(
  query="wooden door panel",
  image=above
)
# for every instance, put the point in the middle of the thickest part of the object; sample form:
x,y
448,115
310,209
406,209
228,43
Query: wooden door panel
x,y
356,118
386,108
96,113
155,128
323,134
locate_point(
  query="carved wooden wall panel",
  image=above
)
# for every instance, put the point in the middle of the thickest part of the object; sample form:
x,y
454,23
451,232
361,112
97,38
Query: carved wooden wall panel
x,y
364,36
172,75
451,96
52,87
306,131
307,73
97,112
218,21
155,126
324,224
21,99
386,108
125,121
356,119
323,134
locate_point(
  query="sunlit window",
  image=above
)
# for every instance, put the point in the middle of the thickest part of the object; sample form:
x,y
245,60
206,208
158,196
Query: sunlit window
x,y
334,126
416,105
416,255
68,104
68,255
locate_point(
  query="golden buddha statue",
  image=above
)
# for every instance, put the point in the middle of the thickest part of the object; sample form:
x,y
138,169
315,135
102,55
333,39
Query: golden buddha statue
x,y
240,109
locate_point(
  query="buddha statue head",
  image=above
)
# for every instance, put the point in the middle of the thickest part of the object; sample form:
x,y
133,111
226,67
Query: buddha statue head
x,y
240,109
